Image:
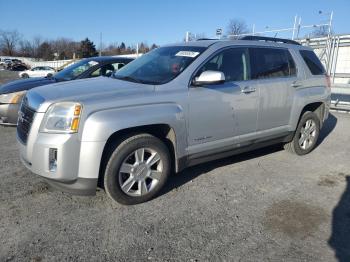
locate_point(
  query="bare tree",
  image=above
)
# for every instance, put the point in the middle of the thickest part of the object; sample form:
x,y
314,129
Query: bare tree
x,y
64,47
236,27
36,42
26,48
9,41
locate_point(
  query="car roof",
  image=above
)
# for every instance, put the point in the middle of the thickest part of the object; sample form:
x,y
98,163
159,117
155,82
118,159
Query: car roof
x,y
108,59
227,42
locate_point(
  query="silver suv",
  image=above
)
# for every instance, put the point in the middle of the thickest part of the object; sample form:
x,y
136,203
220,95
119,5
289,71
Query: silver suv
x,y
177,106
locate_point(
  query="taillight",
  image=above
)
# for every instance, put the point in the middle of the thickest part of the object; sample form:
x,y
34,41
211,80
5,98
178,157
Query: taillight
x,y
328,81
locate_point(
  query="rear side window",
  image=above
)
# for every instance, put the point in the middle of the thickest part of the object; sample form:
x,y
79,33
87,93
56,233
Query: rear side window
x,y
312,62
271,63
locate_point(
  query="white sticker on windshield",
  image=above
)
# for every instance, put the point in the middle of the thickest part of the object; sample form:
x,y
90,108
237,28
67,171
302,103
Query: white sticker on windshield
x,y
187,53
93,63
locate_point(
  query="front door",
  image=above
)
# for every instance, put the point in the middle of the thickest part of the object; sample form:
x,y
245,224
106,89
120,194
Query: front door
x,y
220,113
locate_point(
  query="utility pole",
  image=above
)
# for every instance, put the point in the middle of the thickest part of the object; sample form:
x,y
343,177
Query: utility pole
x,y
299,27
330,24
294,26
187,36
100,43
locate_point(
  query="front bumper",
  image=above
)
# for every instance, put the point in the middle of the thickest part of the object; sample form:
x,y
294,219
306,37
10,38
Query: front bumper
x,y
81,186
9,114
78,162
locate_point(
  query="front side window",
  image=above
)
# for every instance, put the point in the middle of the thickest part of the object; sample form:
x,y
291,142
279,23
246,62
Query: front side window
x,y
105,70
160,65
233,62
118,66
271,63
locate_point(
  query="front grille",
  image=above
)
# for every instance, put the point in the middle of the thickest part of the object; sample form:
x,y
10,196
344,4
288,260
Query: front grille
x,y
25,120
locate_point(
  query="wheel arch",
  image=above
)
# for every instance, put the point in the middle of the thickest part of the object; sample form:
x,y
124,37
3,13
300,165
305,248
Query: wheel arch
x,y
317,107
162,131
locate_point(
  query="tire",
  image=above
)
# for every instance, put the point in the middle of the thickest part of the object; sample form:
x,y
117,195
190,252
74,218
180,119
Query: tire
x,y
306,135
25,76
142,179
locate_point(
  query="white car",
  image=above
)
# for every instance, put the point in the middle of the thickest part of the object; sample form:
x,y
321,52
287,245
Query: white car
x,y
38,71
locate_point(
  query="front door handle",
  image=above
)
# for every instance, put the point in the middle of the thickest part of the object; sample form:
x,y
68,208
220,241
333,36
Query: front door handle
x,y
296,84
248,89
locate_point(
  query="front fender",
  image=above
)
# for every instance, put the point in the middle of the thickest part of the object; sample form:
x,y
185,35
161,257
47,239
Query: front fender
x,y
100,125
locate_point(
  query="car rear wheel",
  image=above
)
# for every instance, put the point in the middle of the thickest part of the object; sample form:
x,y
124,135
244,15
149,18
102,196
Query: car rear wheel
x,y
25,76
306,135
137,169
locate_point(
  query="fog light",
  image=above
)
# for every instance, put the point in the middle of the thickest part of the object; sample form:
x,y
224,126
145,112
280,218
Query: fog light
x,y
53,159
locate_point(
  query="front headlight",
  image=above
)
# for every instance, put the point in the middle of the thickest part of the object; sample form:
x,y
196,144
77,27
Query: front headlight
x,y
12,98
62,117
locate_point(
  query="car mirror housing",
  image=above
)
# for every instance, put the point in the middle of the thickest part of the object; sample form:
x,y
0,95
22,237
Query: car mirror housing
x,y
209,78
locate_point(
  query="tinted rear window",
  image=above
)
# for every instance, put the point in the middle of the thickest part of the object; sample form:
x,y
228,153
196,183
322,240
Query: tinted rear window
x,y
312,62
271,63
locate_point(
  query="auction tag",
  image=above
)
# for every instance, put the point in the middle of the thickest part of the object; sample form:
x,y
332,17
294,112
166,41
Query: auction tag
x,y
93,63
187,53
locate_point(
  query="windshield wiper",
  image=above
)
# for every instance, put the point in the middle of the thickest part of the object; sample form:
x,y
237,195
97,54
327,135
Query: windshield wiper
x,y
129,78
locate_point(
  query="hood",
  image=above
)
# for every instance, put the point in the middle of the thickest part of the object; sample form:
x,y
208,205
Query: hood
x,y
86,91
25,84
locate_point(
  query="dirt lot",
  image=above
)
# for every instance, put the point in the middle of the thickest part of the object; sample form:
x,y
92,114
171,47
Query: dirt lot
x,y
267,205
6,76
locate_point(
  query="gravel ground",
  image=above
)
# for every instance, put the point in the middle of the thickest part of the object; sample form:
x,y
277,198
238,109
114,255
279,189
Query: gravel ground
x,y
6,76
266,205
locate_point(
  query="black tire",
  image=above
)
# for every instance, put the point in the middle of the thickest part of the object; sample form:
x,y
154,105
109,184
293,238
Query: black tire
x,y
121,152
25,76
294,146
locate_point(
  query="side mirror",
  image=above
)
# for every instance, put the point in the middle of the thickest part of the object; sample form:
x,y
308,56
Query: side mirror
x,y
209,78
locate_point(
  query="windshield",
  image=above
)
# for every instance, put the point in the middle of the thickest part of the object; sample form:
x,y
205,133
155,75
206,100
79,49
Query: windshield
x,y
160,65
75,70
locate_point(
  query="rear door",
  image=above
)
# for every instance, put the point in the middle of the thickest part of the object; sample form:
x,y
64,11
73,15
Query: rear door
x,y
275,70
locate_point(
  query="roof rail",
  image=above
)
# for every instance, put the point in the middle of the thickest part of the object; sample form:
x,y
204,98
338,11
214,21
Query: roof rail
x,y
203,39
269,39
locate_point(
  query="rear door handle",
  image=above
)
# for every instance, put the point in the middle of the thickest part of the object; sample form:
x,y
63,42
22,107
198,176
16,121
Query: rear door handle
x,y
248,89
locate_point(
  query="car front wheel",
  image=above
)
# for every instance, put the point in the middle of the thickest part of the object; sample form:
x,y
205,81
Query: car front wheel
x,y
137,169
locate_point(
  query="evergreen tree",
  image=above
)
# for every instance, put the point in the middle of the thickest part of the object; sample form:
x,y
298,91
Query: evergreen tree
x,y
122,47
87,49
45,51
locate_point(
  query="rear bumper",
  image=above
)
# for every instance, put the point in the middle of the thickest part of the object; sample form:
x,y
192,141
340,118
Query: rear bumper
x,y
9,114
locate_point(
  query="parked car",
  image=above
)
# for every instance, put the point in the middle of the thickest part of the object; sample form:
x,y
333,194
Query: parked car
x,y
5,61
11,94
18,67
174,107
38,71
